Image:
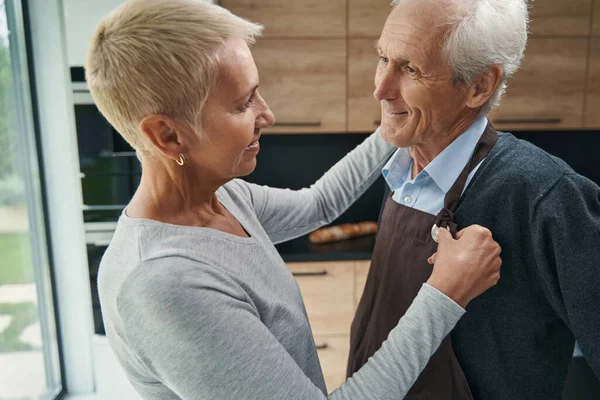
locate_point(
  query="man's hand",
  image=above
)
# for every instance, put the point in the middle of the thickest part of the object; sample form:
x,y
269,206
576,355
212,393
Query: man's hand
x,y
466,266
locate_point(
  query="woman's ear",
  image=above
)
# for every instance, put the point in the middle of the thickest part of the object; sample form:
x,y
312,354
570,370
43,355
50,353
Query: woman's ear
x,y
163,134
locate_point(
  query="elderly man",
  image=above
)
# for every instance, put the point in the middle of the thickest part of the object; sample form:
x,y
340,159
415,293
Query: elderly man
x,y
443,65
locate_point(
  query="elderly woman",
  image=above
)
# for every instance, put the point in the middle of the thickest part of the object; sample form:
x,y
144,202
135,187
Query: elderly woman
x,y
197,303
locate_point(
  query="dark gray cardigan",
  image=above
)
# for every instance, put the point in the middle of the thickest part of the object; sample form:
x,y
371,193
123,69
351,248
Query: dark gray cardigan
x,y
516,340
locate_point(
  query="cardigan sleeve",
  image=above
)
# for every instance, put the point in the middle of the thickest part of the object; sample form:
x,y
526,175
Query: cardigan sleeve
x,y
566,240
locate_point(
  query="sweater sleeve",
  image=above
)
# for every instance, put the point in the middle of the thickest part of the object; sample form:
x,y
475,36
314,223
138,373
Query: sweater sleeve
x,y
566,240
202,338
286,214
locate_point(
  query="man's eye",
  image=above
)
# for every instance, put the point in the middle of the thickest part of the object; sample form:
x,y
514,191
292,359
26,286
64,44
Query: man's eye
x,y
410,69
384,60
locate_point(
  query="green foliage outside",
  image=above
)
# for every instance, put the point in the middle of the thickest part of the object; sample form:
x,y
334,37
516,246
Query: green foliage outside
x,y
23,315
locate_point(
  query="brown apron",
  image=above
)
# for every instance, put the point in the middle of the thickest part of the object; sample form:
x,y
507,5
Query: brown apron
x,y
398,270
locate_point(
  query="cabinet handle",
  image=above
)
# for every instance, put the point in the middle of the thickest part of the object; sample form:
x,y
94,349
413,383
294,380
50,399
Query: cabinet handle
x,y
112,154
103,208
293,124
310,273
378,122
529,121
322,346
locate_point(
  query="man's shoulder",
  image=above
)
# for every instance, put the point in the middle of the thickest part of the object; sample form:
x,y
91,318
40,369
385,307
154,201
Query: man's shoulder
x,y
519,155
523,165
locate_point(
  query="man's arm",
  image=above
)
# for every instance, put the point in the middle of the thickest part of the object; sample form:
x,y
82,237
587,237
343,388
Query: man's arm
x,y
566,240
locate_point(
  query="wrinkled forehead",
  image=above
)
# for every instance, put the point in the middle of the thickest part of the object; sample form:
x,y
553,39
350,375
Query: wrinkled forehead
x,y
414,30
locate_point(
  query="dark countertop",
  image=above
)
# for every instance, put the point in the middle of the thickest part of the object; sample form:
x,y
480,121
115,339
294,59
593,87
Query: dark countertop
x,y
301,250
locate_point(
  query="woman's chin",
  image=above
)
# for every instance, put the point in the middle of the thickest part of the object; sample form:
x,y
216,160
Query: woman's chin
x,y
247,168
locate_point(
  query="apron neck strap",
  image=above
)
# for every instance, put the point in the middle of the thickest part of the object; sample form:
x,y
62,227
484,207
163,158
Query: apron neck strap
x,y
445,217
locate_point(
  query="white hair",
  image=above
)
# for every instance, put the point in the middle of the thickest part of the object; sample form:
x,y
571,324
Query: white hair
x,y
159,57
483,33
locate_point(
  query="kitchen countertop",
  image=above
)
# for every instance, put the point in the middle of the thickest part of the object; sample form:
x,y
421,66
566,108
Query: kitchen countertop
x,y
301,250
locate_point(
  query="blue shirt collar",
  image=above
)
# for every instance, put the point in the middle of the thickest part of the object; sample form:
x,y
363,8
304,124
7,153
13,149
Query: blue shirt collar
x,y
445,168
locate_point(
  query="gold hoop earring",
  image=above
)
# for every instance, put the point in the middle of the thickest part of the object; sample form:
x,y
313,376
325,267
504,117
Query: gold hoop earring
x,y
180,159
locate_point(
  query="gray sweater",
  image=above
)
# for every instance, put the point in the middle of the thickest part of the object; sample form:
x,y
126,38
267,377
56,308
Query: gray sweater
x,y
195,313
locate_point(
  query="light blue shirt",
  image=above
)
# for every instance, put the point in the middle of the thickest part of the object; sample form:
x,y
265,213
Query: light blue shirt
x,y
427,191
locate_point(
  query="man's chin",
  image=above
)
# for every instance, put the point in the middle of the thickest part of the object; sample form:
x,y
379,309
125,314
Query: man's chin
x,y
395,136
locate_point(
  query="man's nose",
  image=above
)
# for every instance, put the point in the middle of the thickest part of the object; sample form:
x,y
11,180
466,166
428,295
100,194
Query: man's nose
x,y
385,85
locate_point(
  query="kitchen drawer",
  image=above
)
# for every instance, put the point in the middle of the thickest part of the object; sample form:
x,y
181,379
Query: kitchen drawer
x,y
333,355
592,114
294,18
364,111
548,17
596,19
361,272
560,17
367,17
547,93
304,83
328,292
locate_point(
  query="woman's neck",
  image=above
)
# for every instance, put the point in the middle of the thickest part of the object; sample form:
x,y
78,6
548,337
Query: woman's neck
x,y
176,195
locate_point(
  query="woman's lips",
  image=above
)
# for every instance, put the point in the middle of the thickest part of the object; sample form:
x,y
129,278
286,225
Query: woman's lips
x,y
254,146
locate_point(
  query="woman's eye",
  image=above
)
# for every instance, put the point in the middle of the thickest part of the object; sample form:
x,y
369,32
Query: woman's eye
x,y
384,59
248,104
410,69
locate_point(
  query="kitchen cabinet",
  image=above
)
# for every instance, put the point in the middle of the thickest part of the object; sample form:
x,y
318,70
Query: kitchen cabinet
x,y
560,17
548,17
366,17
592,114
548,91
328,292
294,18
304,83
364,112
333,354
362,270
596,19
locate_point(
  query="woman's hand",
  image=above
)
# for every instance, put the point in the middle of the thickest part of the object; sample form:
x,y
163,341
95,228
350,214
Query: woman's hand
x,y
466,266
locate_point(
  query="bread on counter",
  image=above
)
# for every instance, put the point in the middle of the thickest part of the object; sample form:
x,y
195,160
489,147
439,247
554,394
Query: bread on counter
x,y
342,232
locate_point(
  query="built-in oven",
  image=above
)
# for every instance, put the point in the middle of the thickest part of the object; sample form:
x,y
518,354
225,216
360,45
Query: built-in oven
x,y
110,170
110,173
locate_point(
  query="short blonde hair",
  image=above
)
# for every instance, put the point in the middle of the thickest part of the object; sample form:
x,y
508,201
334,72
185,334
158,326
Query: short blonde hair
x,y
159,57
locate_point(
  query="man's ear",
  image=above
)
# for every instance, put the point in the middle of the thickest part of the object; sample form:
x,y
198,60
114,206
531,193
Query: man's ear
x,y
485,86
162,132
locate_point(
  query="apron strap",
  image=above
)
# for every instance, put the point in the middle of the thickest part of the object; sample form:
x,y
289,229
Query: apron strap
x,y
445,218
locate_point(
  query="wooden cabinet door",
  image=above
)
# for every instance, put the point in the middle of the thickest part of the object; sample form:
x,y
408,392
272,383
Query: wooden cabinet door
x,y
361,272
560,17
596,19
304,83
366,17
333,354
364,112
548,91
328,292
592,114
293,18
548,17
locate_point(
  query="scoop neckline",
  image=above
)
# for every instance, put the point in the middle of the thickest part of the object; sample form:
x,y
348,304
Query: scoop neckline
x,y
212,231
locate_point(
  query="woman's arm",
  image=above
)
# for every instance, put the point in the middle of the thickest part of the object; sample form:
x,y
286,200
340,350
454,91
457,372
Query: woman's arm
x,y
202,337
286,214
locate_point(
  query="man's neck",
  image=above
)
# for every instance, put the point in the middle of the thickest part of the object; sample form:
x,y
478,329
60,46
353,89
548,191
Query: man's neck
x,y
424,153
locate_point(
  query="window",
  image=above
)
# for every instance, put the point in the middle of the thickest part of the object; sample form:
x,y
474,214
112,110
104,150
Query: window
x,y
29,362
